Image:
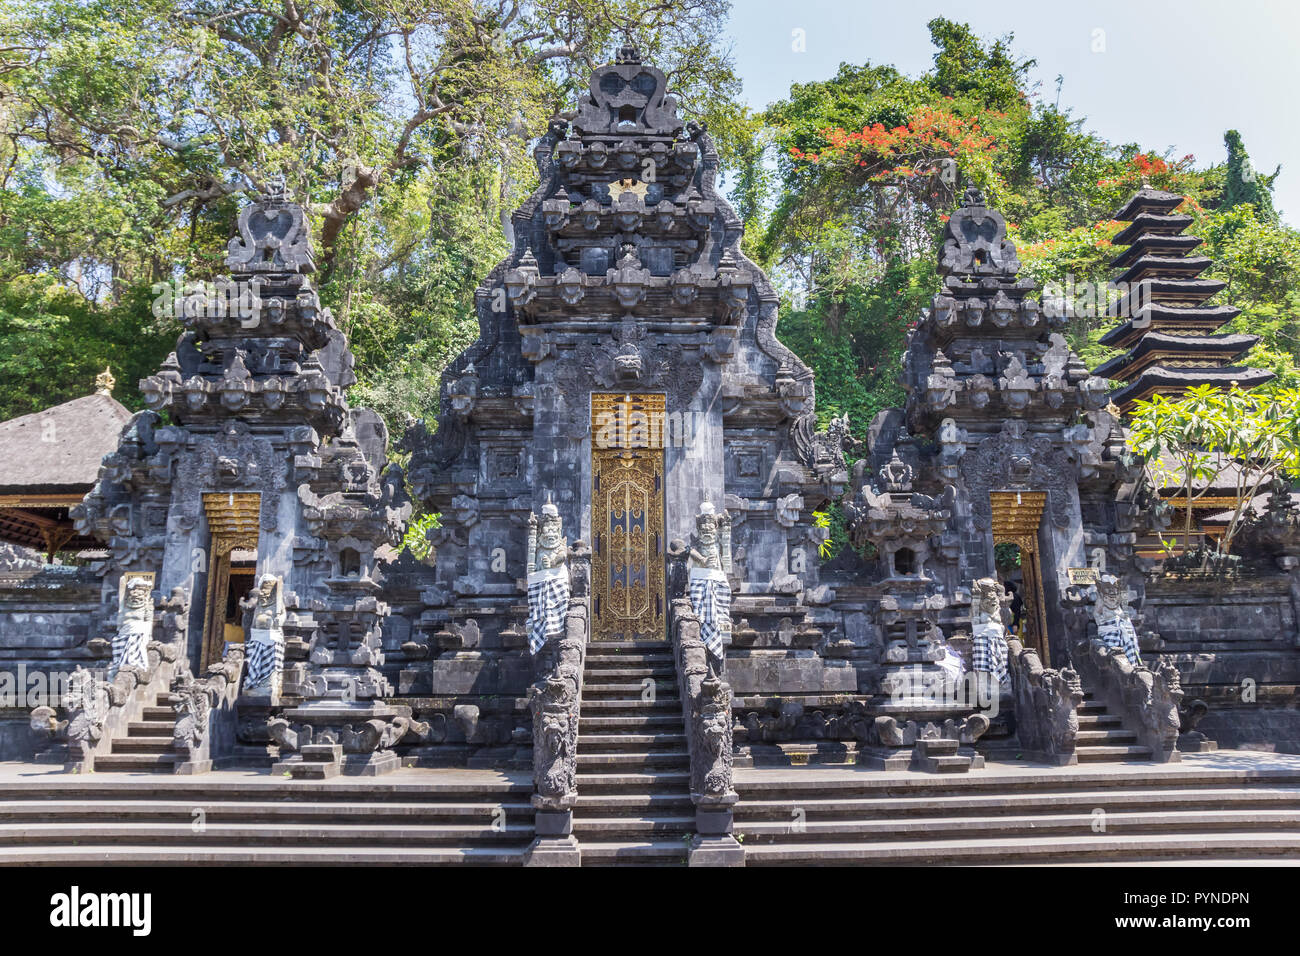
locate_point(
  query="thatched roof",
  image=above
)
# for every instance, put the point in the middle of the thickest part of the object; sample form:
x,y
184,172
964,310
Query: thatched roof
x,y
59,449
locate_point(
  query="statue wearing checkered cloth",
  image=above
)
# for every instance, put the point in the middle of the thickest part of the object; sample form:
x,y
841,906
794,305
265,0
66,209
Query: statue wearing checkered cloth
x,y
548,577
709,562
134,626
265,637
1114,626
988,632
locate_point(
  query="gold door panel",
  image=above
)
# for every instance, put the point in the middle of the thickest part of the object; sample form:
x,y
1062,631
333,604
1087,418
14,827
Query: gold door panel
x,y
627,524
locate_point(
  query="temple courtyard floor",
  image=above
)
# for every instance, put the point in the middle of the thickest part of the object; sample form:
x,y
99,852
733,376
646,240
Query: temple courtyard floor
x,y
1234,807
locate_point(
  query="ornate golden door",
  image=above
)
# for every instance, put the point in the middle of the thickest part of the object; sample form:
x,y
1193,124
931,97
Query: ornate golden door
x,y
627,517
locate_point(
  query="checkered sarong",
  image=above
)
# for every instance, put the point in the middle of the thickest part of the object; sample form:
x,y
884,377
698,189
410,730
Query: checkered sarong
x,y
1119,634
131,645
711,602
265,657
989,652
548,602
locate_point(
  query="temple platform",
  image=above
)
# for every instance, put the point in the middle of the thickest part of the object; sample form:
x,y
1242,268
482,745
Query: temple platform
x,y
1236,807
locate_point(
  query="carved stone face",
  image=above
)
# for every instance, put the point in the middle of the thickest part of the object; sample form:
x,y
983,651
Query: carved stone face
x,y
550,532
137,594
706,529
1110,594
266,594
987,601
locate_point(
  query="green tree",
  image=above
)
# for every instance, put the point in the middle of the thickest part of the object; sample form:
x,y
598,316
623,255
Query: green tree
x,y
1218,437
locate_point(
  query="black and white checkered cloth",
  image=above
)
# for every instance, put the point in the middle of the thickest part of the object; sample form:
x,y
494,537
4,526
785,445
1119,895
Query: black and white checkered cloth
x,y
548,602
1120,635
989,653
711,602
131,645
265,657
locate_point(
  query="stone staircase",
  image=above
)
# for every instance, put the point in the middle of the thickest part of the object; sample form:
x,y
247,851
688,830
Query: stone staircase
x,y
147,746
1021,815
1102,736
477,817
634,805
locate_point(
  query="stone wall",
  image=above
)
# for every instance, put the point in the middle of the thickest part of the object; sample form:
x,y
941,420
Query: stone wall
x,y
46,616
1237,647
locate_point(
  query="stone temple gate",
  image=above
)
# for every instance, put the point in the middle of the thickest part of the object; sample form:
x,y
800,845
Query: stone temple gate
x,y
625,594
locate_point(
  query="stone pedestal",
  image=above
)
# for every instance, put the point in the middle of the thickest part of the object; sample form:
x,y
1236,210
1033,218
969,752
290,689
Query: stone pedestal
x,y
313,762
555,844
714,844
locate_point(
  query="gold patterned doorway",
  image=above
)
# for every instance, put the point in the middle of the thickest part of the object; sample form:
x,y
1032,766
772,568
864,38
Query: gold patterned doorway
x,y
1016,519
627,517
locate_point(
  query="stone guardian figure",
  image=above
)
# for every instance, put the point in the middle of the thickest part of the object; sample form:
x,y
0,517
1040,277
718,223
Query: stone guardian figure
x,y
548,577
708,563
265,637
134,626
988,632
1114,626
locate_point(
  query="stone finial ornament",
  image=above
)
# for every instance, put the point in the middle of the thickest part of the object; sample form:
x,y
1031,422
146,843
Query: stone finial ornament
x,y
273,235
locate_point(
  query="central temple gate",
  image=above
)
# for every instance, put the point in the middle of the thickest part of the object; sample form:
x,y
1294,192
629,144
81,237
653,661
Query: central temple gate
x,y
627,517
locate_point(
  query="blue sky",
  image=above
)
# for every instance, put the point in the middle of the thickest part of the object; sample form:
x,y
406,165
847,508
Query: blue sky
x,y
1170,74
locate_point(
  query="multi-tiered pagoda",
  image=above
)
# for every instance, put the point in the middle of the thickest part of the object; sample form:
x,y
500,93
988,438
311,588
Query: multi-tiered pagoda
x,y
1169,332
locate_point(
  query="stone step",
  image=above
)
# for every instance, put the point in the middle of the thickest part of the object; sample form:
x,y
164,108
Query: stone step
x,y
402,787
1010,803
623,647
151,728
1098,752
648,722
592,742
115,762
1051,849
654,781
631,691
1089,738
589,827
659,852
960,828
814,783
140,744
659,659
197,854
1091,708
148,832
615,804
630,708
162,811
162,714
598,675
632,761
1099,721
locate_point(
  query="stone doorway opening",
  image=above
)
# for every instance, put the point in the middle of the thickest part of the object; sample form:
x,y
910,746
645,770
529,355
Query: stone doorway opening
x,y
1017,516
232,569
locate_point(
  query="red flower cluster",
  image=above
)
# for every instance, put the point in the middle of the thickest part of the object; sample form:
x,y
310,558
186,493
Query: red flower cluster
x,y
931,132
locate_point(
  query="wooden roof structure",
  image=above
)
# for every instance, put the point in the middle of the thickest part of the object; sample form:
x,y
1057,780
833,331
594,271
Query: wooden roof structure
x,y
49,460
